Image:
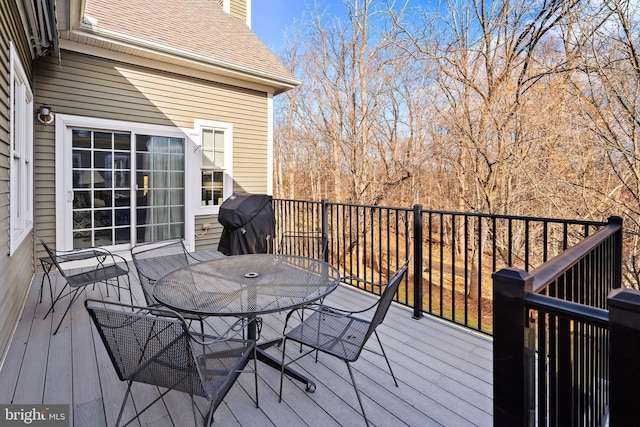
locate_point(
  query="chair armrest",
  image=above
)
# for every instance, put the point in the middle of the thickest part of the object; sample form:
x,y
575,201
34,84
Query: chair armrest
x,y
119,259
358,279
104,254
319,308
231,332
79,254
195,259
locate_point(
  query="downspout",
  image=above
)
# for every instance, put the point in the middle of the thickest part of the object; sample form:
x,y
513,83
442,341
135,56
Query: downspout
x,y
44,25
35,36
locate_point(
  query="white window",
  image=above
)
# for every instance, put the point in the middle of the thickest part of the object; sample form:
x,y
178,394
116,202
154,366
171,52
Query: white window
x,y
216,177
21,152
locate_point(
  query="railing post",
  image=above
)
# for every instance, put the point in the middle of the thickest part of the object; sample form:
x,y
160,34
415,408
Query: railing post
x,y
324,203
417,261
617,255
510,371
624,345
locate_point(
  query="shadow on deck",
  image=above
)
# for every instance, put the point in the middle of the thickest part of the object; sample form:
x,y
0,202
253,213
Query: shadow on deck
x,y
444,374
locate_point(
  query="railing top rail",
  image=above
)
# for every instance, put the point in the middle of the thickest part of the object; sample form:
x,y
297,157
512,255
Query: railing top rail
x,y
353,205
568,309
519,218
458,213
296,200
548,272
358,205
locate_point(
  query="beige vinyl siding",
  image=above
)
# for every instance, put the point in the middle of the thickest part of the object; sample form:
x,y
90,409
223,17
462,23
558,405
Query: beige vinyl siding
x,y
89,86
45,183
239,8
15,271
210,239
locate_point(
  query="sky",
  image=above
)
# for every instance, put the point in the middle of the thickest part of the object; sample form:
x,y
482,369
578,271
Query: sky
x,y
270,18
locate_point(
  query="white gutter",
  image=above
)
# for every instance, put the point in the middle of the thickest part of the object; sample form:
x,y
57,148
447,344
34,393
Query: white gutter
x,y
125,40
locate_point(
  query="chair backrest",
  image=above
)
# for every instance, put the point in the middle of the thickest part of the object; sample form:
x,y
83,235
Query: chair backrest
x,y
60,258
148,349
156,259
52,254
303,243
387,298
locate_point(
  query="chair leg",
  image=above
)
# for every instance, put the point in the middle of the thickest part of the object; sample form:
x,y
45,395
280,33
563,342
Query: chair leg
x,y
75,296
255,373
284,347
208,418
353,381
54,301
124,402
385,358
46,267
140,412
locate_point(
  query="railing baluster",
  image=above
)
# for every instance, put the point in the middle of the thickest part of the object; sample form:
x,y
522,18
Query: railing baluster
x,y
417,263
453,267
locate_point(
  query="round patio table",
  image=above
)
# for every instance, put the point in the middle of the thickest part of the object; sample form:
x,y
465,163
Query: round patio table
x,y
249,285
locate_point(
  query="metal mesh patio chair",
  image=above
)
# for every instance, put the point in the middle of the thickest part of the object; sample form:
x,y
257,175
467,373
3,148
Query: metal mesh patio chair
x,y
343,333
309,244
156,259
303,243
159,349
106,268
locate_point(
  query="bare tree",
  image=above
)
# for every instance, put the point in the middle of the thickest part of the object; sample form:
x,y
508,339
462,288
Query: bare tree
x,y
607,39
512,107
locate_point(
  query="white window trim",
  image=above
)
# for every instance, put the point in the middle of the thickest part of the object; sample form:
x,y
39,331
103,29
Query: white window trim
x,y
270,144
63,156
227,128
21,180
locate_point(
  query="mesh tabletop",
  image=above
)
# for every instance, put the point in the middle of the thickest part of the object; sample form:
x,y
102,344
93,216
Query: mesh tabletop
x,y
247,284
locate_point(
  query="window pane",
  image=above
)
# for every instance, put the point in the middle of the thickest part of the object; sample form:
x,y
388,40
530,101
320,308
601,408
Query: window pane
x,y
212,148
176,215
81,138
123,235
207,139
81,159
212,187
219,140
103,140
122,141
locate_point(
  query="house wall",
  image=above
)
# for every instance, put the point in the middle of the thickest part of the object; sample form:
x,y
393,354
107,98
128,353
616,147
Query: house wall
x,y
16,271
239,8
86,85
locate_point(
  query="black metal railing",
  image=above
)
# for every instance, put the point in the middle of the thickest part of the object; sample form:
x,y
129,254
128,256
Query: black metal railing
x,y
452,254
551,335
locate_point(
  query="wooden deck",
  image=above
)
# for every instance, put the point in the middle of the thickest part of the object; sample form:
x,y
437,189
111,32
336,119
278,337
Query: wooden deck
x,y
444,374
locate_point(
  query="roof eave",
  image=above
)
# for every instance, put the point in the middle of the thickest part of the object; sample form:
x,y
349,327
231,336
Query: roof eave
x,y
280,83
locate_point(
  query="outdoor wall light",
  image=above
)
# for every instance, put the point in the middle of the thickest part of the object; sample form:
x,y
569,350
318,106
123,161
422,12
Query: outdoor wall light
x,y
45,116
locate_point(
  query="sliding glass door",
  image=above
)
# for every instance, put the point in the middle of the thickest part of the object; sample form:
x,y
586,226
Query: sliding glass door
x,y
128,187
160,188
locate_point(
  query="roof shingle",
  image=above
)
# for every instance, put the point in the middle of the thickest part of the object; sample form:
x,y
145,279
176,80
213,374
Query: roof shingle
x,y
197,27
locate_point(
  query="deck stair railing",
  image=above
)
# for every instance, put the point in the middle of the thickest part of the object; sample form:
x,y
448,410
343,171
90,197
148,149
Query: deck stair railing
x,y
561,354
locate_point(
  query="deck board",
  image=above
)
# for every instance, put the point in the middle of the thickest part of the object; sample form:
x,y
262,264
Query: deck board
x,y
444,373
